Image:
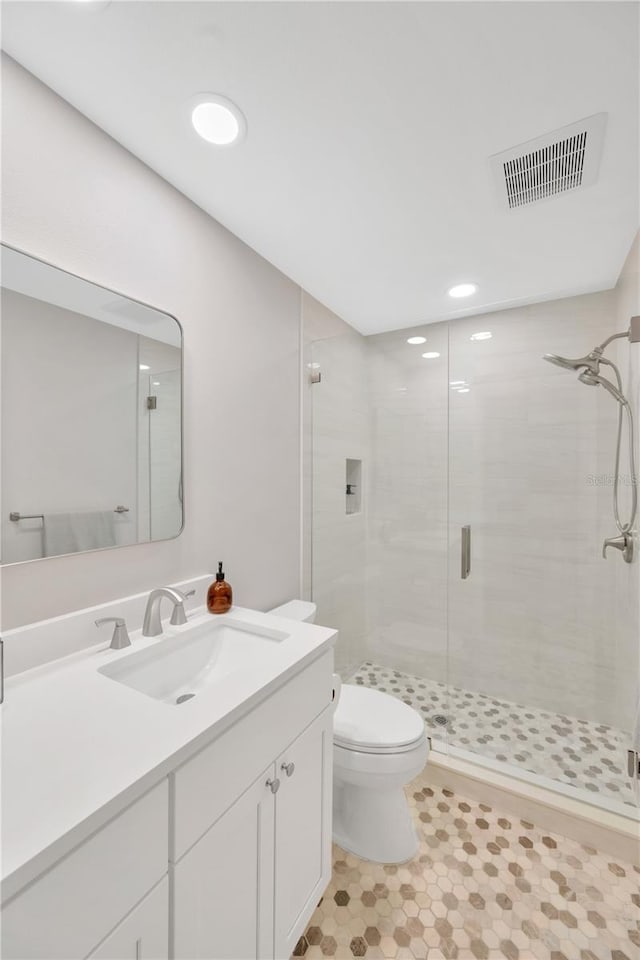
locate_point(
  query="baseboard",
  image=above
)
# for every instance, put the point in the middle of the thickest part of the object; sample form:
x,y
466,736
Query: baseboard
x,y
611,833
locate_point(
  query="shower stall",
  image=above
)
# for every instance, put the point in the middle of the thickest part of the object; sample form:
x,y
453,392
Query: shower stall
x,y
468,576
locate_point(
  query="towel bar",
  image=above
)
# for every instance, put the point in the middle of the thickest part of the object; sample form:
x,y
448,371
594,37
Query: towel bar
x,y
15,515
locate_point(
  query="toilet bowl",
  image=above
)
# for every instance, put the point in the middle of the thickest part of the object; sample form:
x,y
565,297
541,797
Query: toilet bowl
x,y
379,745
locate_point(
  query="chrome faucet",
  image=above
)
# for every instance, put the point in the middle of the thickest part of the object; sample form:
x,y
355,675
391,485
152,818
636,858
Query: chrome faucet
x,y
120,638
152,626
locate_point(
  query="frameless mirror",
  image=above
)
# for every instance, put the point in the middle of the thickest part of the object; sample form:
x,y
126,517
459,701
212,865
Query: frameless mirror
x,y
91,415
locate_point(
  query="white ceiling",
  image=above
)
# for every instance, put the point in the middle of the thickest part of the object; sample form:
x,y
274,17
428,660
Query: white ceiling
x,y
365,173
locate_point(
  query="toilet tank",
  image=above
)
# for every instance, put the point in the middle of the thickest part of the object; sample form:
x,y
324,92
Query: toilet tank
x,y
296,610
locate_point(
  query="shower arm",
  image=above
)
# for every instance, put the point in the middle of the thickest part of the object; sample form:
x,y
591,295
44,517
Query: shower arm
x,y
632,335
616,336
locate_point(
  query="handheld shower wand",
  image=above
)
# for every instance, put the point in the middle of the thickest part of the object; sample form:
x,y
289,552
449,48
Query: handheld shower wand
x,y
596,380
589,367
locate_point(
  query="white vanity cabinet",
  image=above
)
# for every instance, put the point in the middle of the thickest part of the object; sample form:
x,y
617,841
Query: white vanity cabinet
x,y
226,857
252,826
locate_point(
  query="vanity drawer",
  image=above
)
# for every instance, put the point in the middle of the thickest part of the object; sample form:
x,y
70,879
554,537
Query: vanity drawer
x,y
210,782
69,909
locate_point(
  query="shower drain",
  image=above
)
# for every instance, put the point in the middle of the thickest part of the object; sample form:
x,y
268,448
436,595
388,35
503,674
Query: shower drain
x,y
441,720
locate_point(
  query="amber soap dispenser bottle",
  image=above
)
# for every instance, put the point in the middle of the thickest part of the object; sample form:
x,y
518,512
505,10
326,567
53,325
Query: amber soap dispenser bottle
x,y
219,594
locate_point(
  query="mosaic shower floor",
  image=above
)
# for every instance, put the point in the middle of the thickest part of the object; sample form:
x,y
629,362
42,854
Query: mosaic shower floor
x,y
483,886
588,756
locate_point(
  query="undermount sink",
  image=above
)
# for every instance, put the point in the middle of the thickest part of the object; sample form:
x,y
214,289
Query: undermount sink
x,y
175,669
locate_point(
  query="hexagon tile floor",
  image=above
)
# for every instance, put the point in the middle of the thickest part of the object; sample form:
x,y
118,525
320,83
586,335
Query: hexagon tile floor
x,y
587,756
483,886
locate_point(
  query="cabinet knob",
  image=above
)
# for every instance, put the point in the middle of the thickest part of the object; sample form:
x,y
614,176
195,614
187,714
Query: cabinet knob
x,y
289,768
274,785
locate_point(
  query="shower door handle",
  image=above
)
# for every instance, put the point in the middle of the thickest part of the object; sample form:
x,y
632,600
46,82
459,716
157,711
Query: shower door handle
x,y
465,551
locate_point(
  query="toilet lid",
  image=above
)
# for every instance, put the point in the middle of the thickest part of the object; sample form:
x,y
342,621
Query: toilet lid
x,y
369,719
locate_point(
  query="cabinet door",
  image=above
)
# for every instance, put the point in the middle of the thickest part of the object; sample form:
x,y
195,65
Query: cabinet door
x,y
303,830
144,934
224,883
70,908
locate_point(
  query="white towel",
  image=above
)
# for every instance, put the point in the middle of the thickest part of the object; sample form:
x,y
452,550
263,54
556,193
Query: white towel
x,y
72,532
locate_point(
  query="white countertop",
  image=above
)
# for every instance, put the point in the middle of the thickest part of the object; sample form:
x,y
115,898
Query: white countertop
x,y
77,746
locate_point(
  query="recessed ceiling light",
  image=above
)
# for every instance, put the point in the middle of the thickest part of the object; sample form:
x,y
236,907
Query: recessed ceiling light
x,y
457,383
416,339
431,355
482,335
217,120
463,290
464,390
145,366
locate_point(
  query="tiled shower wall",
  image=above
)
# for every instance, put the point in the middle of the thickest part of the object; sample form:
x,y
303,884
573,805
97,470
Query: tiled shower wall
x,y
535,623
529,451
335,428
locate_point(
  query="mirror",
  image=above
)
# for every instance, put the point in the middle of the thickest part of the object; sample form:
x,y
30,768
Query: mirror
x,y
91,415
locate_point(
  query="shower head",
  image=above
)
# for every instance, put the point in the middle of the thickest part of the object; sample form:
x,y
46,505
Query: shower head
x,y
593,360
590,362
590,378
590,371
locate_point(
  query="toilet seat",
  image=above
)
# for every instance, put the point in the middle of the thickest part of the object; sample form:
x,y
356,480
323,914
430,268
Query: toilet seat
x,y
373,722
379,767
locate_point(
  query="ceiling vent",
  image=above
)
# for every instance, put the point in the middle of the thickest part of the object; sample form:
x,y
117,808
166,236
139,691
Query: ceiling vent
x,y
556,163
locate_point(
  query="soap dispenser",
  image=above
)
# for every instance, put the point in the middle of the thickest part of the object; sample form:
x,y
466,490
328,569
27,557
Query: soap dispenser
x,y
219,595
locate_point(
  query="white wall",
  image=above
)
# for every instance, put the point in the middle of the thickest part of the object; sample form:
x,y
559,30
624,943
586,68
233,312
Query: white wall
x,y
74,197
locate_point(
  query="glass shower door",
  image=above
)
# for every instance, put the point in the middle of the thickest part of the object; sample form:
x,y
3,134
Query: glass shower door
x,y
407,519
379,508
543,667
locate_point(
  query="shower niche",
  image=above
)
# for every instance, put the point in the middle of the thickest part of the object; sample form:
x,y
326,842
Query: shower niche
x,y
353,486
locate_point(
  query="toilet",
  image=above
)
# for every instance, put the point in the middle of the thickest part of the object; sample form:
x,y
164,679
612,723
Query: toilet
x,y
379,745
